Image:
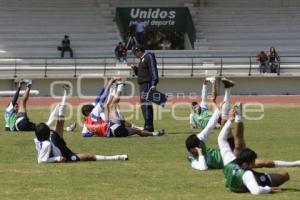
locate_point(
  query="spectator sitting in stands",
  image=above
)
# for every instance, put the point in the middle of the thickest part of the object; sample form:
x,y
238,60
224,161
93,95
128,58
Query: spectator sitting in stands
x,y
263,61
273,60
121,52
66,46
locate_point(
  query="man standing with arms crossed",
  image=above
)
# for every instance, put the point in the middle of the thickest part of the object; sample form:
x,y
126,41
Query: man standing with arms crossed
x,y
147,79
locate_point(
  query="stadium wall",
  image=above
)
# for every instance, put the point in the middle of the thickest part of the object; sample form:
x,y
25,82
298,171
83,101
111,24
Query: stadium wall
x,y
173,86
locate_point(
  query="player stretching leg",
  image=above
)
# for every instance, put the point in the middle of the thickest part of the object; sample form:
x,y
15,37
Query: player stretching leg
x,y
12,110
51,146
119,127
201,113
97,117
203,158
23,123
238,165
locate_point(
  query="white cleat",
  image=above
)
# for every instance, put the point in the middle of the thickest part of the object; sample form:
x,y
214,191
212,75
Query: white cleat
x,y
161,132
71,128
123,157
27,82
211,79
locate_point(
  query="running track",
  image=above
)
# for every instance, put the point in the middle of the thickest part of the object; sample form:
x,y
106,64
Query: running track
x,y
46,101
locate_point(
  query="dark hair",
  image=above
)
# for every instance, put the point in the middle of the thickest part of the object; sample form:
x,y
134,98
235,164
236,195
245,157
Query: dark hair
x,y
66,36
87,109
42,132
193,141
138,48
245,156
194,103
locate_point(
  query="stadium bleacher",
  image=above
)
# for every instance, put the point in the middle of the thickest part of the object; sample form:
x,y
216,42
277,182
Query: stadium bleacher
x,y
242,27
35,28
228,33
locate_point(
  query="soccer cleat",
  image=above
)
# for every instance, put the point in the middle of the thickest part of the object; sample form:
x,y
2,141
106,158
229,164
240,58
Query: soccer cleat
x,y
211,79
71,127
27,82
227,83
120,82
66,87
161,132
123,157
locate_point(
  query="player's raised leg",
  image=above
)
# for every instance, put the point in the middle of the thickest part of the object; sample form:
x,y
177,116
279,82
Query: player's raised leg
x,y
25,97
228,84
59,109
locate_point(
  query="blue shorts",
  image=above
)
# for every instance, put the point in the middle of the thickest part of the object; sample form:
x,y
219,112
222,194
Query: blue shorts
x,y
65,151
23,123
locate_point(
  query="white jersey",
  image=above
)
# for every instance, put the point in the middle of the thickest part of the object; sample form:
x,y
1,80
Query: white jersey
x,y
47,151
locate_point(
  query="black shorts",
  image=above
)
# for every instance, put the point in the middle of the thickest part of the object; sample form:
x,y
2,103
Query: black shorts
x,y
118,130
263,179
65,151
23,123
121,131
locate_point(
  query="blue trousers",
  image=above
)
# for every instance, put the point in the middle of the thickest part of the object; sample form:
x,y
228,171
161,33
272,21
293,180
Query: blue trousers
x,y
146,106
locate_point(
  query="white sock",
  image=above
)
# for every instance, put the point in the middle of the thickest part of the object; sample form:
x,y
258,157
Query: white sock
x,y
53,116
238,119
226,105
116,157
280,163
112,91
204,93
61,111
225,110
120,88
227,95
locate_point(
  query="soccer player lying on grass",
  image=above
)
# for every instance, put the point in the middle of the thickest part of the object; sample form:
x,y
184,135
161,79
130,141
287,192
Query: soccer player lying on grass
x,y
239,164
203,158
51,147
12,110
118,125
96,117
201,113
23,123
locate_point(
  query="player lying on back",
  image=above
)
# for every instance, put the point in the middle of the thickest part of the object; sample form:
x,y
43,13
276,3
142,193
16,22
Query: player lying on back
x,y
238,165
23,122
204,158
51,147
104,119
12,110
202,112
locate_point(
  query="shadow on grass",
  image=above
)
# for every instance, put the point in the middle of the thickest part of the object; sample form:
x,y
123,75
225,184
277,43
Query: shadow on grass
x,y
290,189
180,133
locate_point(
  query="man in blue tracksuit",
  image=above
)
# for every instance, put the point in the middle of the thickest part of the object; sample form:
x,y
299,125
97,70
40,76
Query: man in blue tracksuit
x,y
147,79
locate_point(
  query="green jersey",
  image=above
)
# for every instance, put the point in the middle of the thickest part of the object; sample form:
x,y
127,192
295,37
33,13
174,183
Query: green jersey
x,y
10,118
212,157
233,178
201,120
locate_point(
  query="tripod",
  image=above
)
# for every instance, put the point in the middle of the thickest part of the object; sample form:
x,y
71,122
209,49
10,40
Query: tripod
x,y
131,41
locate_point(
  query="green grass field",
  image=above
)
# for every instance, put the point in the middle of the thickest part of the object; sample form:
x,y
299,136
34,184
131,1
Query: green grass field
x,y
157,168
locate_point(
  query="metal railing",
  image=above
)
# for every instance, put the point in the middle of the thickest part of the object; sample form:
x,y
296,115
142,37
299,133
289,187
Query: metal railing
x,y
168,66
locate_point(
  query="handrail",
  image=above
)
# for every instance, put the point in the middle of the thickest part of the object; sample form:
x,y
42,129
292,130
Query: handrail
x,y
220,65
